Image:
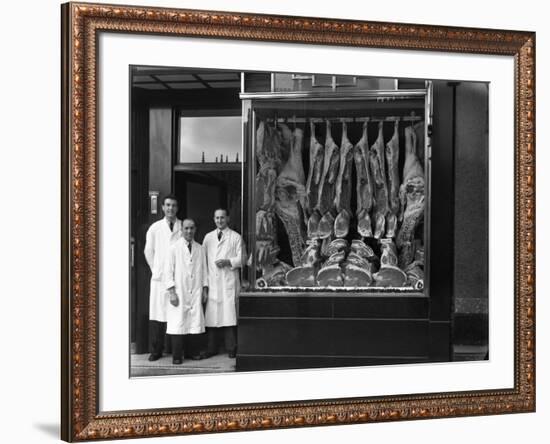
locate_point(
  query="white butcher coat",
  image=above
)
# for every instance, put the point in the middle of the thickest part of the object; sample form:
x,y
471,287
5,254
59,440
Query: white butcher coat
x,y
188,273
223,283
158,240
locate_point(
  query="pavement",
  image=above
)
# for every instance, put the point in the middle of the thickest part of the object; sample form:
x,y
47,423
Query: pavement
x,y
470,352
222,363
140,366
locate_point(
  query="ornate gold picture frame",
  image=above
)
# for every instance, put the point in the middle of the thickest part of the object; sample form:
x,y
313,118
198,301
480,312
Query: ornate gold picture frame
x,y
82,24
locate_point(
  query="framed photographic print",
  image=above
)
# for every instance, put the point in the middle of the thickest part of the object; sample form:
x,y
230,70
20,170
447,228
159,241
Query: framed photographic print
x,y
274,221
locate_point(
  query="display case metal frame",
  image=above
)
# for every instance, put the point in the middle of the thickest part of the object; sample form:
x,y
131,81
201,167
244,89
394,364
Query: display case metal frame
x,y
250,102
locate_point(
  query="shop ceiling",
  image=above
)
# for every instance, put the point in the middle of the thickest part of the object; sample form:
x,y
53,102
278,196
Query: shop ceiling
x,y
184,79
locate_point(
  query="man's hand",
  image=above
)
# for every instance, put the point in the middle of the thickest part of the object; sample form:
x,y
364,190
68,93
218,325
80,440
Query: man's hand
x,y
173,297
220,263
204,295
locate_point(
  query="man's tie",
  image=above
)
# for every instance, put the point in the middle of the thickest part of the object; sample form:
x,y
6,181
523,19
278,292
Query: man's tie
x,y
171,226
189,246
219,235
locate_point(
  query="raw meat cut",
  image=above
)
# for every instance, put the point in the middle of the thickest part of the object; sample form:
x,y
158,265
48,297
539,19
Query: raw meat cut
x,y
392,157
266,245
301,277
412,196
274,276
335,258
356,259
364,224
266,248
290,195
313,225
330,276
316,156
362,249
415,275
358,270
325,244
342,198
268,146
355,276
337,245
420,137
311,255
294,167
304,275
326,225
378,170
264,225
265,188
341,223
389,275
364,185
327,187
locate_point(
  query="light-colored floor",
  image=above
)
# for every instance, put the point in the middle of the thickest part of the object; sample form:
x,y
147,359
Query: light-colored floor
x,y
470,352
140,366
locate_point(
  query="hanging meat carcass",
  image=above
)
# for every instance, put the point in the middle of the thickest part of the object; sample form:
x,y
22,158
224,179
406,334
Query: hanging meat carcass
x,y
290,195
389,275
287,138
342,199
327,187
392,158
268,146
316,156
293,170
420,137
412,196
378,170
364,185
268,142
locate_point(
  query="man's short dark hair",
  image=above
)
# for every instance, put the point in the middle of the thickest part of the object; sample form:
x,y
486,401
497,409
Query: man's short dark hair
x,y
171,197
222,209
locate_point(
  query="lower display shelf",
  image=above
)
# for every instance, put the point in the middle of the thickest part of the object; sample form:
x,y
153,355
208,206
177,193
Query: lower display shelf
x,y
329,330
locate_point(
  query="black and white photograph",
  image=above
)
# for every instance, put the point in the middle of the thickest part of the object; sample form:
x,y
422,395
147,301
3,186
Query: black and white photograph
x,y
284,221
292,221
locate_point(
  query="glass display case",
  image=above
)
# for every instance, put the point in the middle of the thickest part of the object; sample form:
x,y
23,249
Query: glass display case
x,y
338,186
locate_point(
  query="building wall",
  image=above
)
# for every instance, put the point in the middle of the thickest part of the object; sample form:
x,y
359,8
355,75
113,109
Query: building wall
x,y
471,205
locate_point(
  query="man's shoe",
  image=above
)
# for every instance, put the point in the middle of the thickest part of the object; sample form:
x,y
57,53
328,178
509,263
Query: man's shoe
x,y
176,361
232,354
206,355
196,357
154,357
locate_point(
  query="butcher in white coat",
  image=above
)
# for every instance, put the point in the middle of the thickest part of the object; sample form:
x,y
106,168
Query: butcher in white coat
x,y
186,280
160,236
224,252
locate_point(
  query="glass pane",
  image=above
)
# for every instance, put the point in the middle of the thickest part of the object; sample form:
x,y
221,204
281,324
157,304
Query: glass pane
x,y
210,139
340,195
